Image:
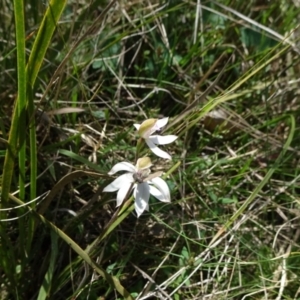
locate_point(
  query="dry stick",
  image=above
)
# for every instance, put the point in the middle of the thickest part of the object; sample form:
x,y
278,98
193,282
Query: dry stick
x,y
206,75
204,94
191,97
61,184
125,204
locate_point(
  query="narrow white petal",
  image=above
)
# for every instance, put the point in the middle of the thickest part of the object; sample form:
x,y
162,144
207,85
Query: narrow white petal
x,y
141,194
119,182
163,140
137,126
157,193
162,122
122,166
162,186
123,192
156,150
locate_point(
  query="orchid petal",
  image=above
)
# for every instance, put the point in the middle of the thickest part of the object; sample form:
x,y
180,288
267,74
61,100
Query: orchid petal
x,y
161,122
163,140
163,188
122,166
147,128
123,191
142,195
119,182
156,150
157,193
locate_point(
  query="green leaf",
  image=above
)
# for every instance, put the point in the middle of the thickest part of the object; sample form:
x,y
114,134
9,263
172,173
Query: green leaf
x,y
257,40
46,285
81,159
43,38
228,200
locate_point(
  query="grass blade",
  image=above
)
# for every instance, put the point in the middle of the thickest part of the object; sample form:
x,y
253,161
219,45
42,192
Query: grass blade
x,y
113,281
46,285
43,38
262,183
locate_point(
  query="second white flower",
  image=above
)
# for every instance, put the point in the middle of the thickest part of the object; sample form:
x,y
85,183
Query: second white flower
x,y
147,128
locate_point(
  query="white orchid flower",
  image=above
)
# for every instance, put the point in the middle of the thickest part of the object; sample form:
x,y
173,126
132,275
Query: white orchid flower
x,y
141,181
147,128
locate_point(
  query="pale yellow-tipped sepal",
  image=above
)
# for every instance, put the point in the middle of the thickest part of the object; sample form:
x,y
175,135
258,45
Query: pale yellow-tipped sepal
x,y
146,128
143,163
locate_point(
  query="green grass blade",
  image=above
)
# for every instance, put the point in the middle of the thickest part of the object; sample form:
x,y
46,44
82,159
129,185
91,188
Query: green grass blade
x,y
81,159
21,104
8,262
36,58
268,175
35,61
19,121
18,115
262,183
33,166
113,281
46,285
21,61
43,38
33,146
10,156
